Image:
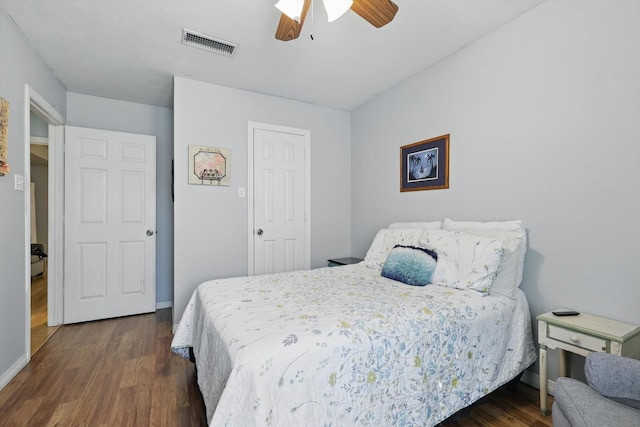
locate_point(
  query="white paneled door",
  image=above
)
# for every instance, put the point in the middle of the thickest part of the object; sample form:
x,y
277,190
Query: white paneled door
x,y
280,217
110,209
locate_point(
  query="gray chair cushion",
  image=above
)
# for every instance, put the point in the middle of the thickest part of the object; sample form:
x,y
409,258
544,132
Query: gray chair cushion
x,y
615,377
580,405
559,418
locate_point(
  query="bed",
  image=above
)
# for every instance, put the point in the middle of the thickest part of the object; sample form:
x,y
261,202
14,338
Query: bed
x,y
346,345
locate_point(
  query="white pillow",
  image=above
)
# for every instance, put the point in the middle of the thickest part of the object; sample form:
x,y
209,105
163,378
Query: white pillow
x,y
428,225
511,268
465,261
385,240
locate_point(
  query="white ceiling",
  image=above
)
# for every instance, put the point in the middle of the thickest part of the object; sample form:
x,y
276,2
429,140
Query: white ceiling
x,y
130,49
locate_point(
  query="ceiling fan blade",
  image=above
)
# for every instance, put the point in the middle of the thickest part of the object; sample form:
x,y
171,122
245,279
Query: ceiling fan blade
x,y
288,29
377,12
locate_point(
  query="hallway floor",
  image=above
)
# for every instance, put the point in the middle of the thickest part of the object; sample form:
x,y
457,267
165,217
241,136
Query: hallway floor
x,y
40,332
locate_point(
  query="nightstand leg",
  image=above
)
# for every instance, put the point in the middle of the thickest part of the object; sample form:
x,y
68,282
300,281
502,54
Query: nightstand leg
x,y
564,363
543,379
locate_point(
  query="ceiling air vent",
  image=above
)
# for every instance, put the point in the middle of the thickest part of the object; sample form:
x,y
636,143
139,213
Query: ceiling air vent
x,y
212,44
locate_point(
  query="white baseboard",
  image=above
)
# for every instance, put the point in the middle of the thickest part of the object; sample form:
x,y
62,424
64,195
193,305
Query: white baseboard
x,y
10,373
533,380
164,304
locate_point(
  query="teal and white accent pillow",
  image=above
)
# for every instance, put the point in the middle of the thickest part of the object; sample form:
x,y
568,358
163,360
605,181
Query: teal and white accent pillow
x,y
411,265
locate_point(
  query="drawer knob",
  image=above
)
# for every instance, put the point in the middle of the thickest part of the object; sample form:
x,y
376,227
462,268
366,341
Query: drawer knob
x,y
574,338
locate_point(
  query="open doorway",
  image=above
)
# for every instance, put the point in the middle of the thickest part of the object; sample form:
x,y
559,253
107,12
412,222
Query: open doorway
x,y
43,232
39,197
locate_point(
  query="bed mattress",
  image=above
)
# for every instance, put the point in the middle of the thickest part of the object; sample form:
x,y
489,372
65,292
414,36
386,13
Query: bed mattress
x,y
344,346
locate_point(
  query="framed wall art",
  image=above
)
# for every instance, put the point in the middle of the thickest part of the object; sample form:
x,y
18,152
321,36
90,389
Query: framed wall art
x,y
4,136
424,165
209,166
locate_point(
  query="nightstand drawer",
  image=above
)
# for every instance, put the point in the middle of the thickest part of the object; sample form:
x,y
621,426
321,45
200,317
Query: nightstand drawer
x,y
578,339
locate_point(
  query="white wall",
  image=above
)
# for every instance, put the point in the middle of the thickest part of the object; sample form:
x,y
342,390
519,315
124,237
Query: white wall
x,y
40,177
544,117
39,127
210,223
122,116
18,66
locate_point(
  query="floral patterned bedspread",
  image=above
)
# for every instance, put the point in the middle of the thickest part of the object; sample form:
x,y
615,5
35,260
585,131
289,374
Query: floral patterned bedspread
x,y
344,346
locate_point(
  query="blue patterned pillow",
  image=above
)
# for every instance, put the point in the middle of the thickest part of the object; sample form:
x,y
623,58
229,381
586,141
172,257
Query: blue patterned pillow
x,y
410,264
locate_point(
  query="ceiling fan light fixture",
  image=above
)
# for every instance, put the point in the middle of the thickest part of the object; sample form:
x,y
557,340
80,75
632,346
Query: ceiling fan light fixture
x,y
336,8
291,8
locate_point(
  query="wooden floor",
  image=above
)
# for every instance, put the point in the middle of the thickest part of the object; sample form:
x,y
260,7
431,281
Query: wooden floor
x,y
117,372
40,332
506,408
120,372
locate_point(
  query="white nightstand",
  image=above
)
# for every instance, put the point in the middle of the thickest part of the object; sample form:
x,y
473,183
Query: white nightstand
x,y
582,334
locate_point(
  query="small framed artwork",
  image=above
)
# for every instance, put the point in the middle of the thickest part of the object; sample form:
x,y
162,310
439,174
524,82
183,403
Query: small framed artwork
x,y
4,136
209,166
424,165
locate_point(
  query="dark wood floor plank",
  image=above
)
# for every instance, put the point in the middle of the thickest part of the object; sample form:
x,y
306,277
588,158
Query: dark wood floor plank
x,y
121,372
64,412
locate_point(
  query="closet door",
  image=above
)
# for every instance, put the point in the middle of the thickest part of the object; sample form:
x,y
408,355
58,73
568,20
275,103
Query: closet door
x,y
279,204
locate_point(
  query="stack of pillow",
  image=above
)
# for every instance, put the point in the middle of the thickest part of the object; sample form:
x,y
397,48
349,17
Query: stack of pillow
x,y
486,257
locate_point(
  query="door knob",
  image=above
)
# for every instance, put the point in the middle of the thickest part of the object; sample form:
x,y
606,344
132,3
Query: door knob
x,y
149,232
259,231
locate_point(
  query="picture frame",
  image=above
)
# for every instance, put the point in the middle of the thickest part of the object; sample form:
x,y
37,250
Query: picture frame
x,y
209,166
424,165
4,137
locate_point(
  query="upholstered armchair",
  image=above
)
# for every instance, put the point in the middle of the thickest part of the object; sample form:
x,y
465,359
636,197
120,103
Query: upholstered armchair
x,y
611,398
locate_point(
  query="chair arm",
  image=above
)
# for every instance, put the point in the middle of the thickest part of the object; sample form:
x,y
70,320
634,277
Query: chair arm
x,y
581,406
615,377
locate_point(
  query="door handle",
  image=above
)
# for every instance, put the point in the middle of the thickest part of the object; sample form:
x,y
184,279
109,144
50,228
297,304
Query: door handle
x,y
149,232
259,231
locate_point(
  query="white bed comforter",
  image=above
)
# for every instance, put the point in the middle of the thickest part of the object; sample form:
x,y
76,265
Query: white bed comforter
x,y
344,346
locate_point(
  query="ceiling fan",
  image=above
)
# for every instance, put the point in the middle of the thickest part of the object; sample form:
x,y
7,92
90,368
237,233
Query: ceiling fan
x,y
377,12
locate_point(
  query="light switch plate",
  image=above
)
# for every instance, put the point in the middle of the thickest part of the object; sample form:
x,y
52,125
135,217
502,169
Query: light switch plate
x,y
18,182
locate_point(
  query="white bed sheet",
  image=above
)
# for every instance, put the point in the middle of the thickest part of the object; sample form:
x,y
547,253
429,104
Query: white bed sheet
x,y
344,346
